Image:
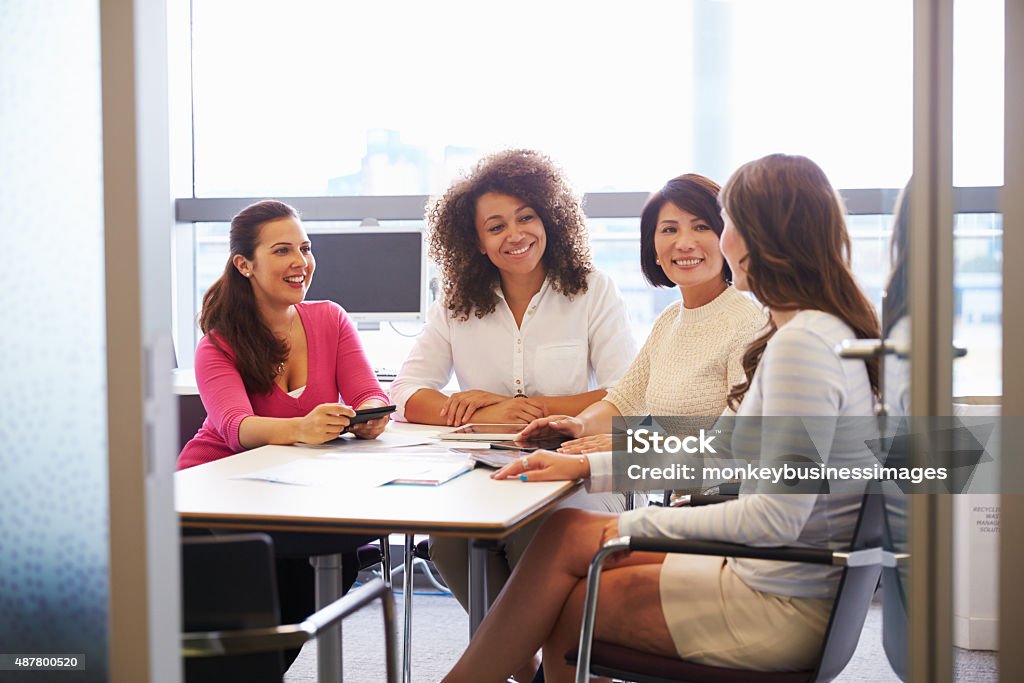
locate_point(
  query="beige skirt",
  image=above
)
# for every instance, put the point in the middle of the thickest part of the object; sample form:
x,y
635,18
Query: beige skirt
x,y
715,618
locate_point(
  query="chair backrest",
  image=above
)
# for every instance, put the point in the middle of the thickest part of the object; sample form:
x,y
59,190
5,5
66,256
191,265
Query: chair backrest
x,y
894,595
228,584
853,596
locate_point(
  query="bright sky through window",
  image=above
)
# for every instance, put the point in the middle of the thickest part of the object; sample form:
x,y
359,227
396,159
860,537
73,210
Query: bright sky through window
x,y
289,97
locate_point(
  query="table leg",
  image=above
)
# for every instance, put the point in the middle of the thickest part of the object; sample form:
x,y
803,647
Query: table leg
x,y
477,584
327,569
385,552
410,546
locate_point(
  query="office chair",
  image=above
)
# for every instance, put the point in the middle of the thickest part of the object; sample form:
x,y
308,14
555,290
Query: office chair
x,y
231,614
861,569
895,564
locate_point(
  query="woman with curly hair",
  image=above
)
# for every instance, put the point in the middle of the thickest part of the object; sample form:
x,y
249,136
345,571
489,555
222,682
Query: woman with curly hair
x,y
526,323
529,327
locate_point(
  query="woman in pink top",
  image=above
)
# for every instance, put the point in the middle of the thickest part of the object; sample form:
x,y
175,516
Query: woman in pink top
x,y
271,368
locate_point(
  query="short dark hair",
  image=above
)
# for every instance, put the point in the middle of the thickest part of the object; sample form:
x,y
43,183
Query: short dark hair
x,y
692,193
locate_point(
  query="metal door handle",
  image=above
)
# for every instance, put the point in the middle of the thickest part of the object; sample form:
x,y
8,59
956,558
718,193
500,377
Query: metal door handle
x,y
871,348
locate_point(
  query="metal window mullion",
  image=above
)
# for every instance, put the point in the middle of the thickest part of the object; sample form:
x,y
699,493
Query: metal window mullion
x,y
1011,551
931,313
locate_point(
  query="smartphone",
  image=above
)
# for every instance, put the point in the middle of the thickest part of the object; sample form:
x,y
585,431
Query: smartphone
x,y
367,414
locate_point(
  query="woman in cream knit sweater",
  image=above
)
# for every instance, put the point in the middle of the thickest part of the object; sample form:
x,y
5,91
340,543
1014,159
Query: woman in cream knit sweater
x,y
695,350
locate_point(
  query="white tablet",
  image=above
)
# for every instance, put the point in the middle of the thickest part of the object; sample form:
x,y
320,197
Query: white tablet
x,y
483,432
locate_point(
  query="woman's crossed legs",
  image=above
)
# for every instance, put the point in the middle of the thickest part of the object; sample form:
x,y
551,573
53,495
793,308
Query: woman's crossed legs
x,y
542,604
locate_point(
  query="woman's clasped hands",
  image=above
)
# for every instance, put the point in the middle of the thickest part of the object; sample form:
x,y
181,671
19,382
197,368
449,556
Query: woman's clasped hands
x,y
486,407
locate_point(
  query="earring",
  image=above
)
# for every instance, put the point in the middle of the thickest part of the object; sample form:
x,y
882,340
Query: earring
x,y
657,261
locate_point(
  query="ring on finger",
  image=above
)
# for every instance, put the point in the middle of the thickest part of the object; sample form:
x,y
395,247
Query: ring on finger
x,y
525,461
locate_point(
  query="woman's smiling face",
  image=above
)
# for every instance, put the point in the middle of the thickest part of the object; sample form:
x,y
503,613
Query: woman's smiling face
x,y
510,233
282,265
688,253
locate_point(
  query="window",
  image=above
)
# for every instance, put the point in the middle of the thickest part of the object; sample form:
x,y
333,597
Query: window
x,y
326,98
320,98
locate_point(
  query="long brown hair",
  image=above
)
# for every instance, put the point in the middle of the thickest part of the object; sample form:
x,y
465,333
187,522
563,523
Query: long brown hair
x,y
229,305
894,305
469,277
794,225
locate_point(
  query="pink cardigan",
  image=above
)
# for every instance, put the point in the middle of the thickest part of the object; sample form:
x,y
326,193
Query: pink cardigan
x,y
337,367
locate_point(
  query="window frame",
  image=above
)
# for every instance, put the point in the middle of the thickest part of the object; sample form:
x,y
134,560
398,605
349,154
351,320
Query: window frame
x,y
597,205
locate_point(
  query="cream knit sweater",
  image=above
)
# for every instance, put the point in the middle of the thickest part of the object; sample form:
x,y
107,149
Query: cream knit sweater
x,y
691,359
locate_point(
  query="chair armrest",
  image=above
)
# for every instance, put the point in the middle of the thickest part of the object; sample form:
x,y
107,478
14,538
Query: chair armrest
x,y
892,560
354,601
242,641
698,499
855,558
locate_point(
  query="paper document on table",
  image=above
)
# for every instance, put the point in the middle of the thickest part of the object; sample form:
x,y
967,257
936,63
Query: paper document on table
x,y
326,473
350,444
429,468
391,455
347,469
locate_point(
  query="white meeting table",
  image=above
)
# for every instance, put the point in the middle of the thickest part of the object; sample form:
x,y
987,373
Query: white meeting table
x,y
472,506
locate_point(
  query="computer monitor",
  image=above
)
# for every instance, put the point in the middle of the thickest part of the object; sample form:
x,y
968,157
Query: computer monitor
x,y
375,275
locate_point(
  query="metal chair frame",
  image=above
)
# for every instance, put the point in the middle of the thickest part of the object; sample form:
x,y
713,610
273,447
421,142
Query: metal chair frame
x,y
868,557
246,641
291,636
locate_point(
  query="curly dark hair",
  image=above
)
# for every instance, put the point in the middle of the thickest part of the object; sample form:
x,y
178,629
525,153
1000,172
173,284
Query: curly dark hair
x,y
469,277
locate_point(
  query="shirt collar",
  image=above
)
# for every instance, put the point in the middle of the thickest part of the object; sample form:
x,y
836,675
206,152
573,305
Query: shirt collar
x,y
536,297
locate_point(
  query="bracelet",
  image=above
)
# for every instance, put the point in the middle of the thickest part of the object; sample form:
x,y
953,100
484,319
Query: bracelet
x,y
585,462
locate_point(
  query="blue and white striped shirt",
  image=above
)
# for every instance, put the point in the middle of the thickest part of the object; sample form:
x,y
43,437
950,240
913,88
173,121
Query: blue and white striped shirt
x,y
801,376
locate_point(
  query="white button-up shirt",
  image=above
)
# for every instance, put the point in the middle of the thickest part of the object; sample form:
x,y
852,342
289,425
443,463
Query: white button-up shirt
x,y
564,347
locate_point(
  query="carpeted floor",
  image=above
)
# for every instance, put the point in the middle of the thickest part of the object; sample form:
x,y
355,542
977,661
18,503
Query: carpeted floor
x,y
440,633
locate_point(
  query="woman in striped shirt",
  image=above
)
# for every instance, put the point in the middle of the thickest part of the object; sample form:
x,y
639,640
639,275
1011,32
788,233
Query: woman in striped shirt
x,y
786,241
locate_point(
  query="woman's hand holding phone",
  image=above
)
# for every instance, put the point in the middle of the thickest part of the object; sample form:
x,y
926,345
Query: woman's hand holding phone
x,y
371,429
325,422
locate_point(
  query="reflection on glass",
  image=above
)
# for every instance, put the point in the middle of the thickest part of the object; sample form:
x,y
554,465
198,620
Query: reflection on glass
x,y
978,303
895,403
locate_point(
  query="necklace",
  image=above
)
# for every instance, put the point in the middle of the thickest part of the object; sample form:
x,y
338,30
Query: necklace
x,y
279,368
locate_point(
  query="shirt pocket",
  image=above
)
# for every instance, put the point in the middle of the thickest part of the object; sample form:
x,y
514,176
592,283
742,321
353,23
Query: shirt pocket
x,y
560,369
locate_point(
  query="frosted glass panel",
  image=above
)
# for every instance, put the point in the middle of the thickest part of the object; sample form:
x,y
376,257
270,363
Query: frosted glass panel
x,y
53,448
